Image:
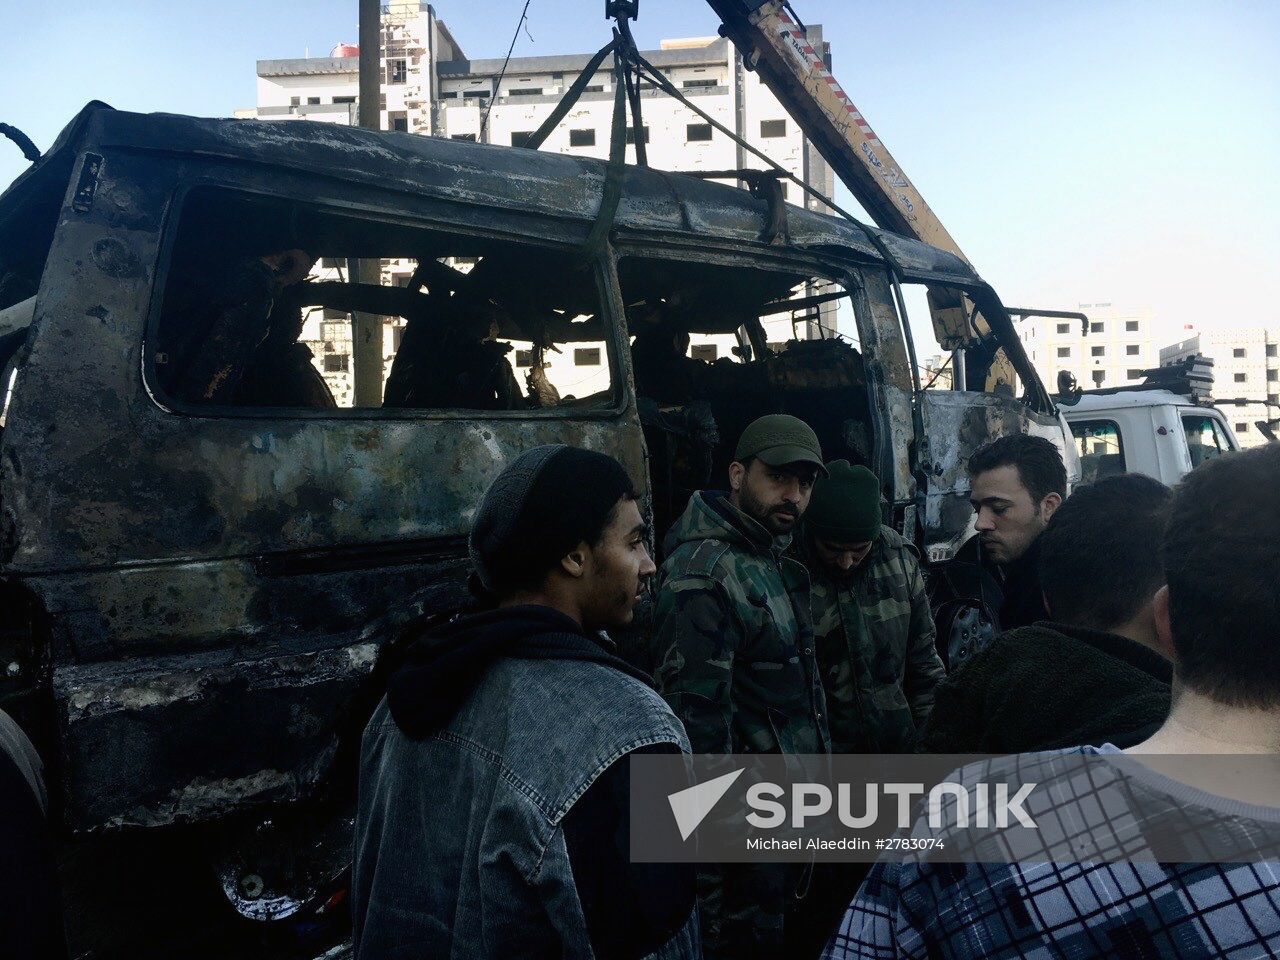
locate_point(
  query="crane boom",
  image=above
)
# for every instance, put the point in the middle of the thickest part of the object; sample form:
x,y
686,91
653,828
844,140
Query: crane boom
x,y
775,45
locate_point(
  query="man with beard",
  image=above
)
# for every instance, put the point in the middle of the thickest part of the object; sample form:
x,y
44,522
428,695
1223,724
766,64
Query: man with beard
x,y
732,615
871,617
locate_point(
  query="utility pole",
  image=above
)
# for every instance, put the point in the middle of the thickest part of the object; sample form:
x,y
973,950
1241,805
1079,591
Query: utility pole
x,y
366,328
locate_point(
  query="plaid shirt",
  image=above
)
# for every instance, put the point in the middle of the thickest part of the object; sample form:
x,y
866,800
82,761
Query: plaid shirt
x,y
1127,909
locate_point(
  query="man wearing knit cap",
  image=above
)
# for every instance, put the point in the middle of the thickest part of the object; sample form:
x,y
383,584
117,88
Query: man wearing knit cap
x,y
493,812
732,615
871,617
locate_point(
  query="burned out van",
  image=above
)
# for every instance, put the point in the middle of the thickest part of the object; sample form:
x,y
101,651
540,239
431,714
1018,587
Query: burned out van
x,y
207,538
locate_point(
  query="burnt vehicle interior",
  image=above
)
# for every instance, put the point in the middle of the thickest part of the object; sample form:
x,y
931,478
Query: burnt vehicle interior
x,y
752,358
259,299
257,317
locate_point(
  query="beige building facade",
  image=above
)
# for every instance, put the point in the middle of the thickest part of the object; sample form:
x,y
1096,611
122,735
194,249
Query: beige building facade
x,y
430,88
1112,351
1246,375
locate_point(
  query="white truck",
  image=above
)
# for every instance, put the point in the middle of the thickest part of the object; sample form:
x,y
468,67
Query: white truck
x,y
1152,431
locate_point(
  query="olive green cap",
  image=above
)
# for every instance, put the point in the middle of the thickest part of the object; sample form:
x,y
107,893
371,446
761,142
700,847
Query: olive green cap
x,y
779,439
845,506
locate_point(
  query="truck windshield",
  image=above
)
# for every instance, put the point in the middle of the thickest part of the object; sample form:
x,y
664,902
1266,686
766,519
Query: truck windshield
x,y
1206,438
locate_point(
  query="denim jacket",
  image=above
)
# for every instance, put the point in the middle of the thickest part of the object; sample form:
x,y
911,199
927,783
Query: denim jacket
x,y
459,847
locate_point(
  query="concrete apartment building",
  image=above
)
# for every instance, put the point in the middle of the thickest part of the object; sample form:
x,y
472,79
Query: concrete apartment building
x,y
1246,374
1117,346
431,89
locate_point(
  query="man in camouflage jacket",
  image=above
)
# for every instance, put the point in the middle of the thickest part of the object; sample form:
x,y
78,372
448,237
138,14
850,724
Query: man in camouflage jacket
x,y
874,629
740,670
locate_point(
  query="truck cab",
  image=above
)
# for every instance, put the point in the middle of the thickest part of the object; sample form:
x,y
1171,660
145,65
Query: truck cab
x,y
1155,432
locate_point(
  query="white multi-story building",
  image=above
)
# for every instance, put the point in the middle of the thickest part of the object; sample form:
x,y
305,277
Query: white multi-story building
x,y
430,88
1112,352
1246,374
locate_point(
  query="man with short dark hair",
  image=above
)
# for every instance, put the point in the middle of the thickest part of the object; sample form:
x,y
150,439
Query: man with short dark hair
x,y
871,617
1095,673
732,616
1217,617
1016,484
493,812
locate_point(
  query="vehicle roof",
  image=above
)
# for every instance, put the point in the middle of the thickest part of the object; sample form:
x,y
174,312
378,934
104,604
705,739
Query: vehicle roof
x,y
530,181
1128,400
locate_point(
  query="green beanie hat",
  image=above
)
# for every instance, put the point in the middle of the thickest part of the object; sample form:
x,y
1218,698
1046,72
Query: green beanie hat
x,y
845,505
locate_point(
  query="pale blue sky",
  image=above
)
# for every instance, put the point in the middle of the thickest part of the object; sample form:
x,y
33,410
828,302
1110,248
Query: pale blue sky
x,y
1078,151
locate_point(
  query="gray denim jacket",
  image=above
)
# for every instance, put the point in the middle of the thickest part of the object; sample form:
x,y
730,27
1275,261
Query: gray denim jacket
x,y
459,851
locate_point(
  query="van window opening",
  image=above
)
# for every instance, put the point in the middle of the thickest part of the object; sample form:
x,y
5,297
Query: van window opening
x,y
258,303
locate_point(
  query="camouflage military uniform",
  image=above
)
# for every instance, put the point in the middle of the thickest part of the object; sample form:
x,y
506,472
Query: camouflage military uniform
x,y
876,652
732,615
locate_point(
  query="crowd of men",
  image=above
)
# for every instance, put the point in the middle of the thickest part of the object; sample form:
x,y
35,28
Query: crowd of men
x,y
494,786
788,618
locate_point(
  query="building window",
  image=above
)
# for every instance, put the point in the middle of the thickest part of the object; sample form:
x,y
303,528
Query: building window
x,y
1064,351
329,263
313,101
469,137
521,138
1131,350
773,128
1239,378
344,99
1134,374
1242,428
295,101
698,83
524,358
1095,328
1131,326
1098,377
335,363
1238,352
582,138
449,95
703,351
594,88
397,71
1273,399
1273,375
1064,328
398,120
333,313
697,132
631,133
525,92
1271,349
586,357
1097,351
475,95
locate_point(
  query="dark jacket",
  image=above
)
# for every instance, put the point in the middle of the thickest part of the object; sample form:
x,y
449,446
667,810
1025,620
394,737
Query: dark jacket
x,y
1022,599
1050,686
492,814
